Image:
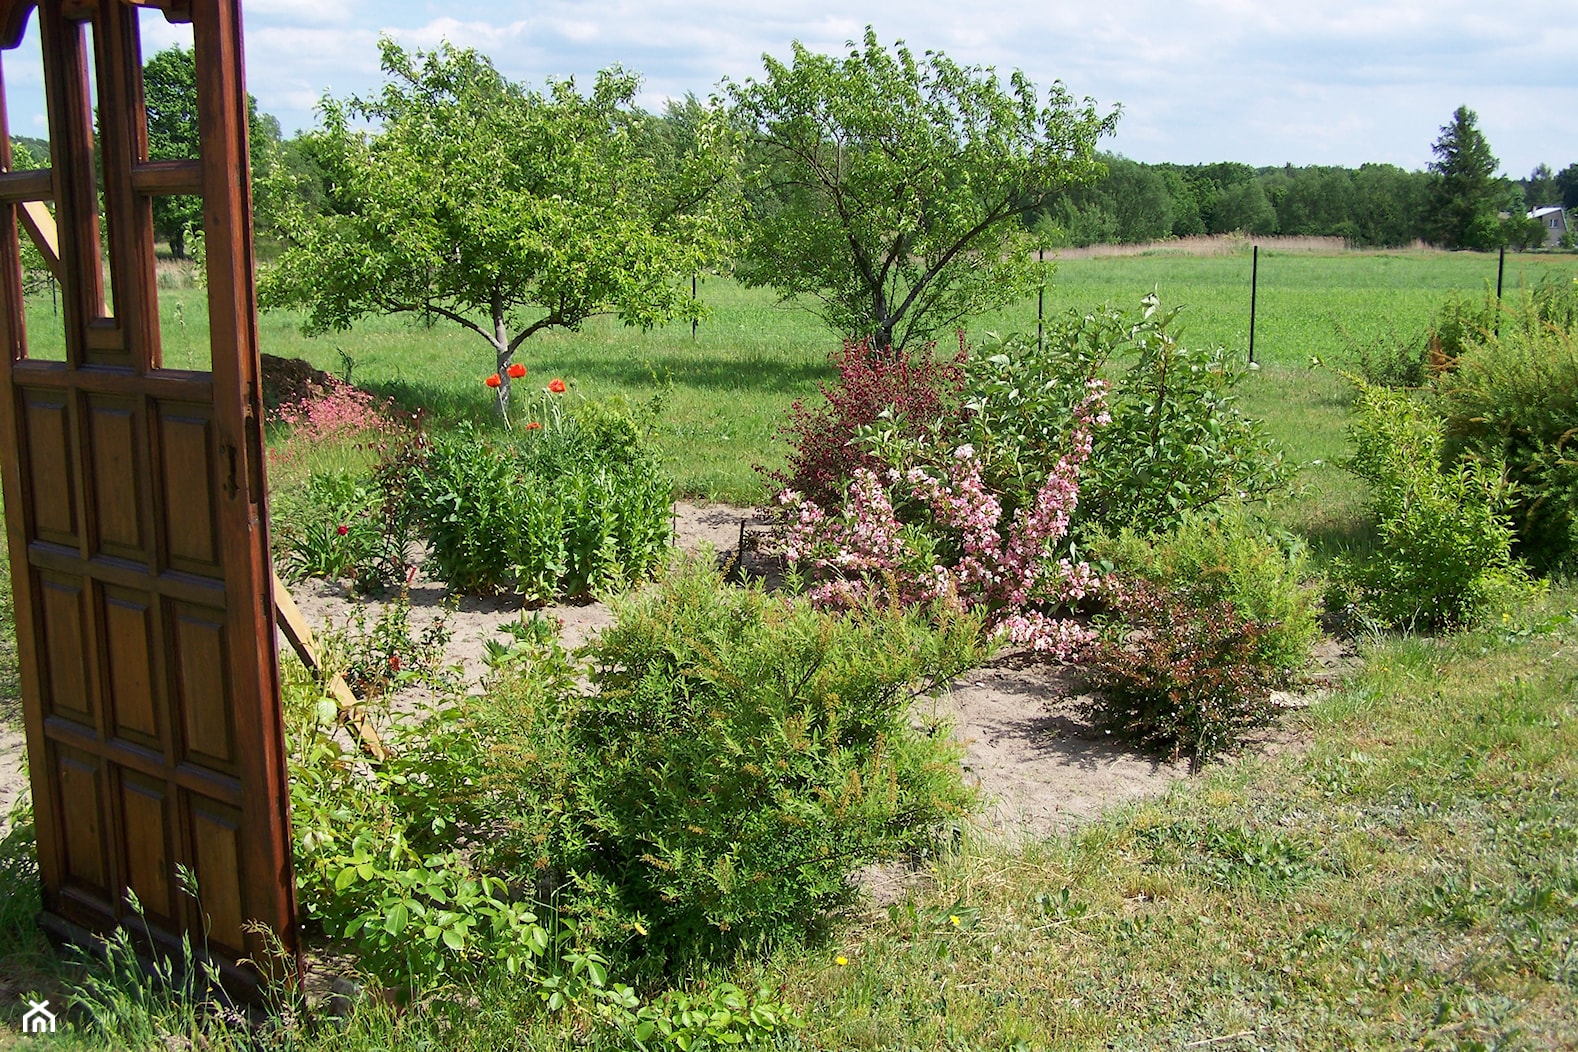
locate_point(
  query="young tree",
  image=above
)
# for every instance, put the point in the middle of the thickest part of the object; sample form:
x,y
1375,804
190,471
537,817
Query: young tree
x,y
895,185
1465,194
501,209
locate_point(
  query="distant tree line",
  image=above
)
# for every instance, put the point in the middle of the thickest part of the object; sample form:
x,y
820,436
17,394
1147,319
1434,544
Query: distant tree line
x,y
1375,205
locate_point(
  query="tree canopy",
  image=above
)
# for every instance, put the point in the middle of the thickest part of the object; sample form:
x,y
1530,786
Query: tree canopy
x,y
169,81
889,186
502,209
1465,195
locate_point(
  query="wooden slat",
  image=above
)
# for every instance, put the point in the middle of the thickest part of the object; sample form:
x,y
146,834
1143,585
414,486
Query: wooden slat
x,y
299,633
30,184
40,226
168,178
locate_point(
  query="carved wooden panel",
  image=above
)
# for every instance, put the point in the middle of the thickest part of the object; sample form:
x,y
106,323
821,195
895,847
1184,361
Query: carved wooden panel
x,y
135,517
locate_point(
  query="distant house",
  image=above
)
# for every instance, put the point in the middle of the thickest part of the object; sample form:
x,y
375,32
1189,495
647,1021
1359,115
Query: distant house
x,y
1555,221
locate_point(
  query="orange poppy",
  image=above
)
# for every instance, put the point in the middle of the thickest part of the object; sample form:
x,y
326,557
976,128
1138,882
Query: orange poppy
x,y
516,370
556,385
534,426
493,381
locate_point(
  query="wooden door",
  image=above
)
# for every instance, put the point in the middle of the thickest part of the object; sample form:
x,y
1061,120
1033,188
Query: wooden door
x,y
134,500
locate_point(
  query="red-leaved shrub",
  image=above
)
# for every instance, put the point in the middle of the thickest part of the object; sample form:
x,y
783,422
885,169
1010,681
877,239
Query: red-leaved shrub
x,y
1175,675
917,388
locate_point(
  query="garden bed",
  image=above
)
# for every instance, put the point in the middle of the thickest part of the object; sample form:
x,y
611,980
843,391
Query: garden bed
x,y
1040,761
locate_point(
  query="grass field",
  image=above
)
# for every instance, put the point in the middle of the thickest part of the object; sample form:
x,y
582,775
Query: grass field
x,y
732,384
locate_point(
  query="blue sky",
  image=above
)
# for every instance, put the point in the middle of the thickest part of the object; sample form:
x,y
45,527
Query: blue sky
x,y
1266,83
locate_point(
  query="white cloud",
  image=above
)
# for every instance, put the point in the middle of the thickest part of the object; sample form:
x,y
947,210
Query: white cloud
x,y
1320,81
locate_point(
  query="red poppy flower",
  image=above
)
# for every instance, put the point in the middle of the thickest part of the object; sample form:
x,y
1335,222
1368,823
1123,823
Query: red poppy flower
x,y
342,529
493,381
516,370
394,662
534,426
556,385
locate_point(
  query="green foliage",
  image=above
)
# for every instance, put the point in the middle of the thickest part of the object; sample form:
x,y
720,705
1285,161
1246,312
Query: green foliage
x,y
377,660
1464,195
501,209
1172,672
1176,443
739,756
1392,360
1232,558
1443,545
565,509
333,526
169,80
888,185
1513,399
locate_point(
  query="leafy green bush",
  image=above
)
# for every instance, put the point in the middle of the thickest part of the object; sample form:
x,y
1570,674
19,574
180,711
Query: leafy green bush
x,y
391,857
563,509
1514,399
739,756
1443,545
334,527
1229,558
1177,441
1174,674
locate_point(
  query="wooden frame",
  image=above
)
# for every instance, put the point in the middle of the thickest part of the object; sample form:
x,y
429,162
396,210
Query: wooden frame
x,y
136,519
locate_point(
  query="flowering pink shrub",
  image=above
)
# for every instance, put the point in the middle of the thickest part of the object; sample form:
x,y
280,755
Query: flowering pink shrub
x,y
957,548
337,410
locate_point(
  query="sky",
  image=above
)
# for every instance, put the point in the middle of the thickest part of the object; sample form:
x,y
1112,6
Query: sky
x,y
1340,82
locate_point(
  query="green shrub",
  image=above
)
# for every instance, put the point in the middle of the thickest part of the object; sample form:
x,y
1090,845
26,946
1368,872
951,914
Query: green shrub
x,y
739,756
1177,441
392,858
560,510
1443,545
1514,400
334,527
1228,558
1175,674
1390,359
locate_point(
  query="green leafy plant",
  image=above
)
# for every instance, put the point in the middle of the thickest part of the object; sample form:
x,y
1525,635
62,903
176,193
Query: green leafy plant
x,y
1513,399
739,756
1174,674
1176,442
1443,552
333,527
1228,557
379,659
559,511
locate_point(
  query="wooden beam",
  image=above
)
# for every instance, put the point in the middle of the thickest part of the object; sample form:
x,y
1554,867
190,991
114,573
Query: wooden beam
x,y
13,21
299,634
30,184
157,178
40,226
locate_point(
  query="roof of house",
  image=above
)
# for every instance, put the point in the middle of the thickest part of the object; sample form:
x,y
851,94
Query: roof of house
x,y
1544,210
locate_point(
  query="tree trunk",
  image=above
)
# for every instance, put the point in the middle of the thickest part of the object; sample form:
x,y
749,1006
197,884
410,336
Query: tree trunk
x,y
501,347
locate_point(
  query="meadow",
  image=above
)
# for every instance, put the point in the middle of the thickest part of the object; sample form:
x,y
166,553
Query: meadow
x,y
1396,869
731,384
